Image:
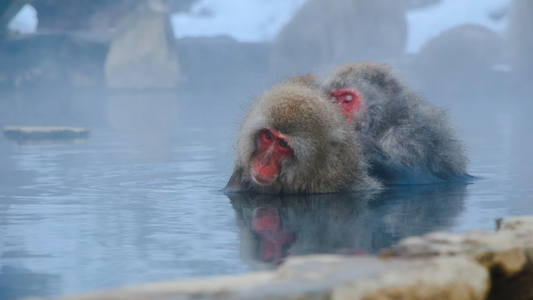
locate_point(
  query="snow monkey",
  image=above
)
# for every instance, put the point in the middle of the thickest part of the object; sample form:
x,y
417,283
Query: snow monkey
x,y
405,140
293,139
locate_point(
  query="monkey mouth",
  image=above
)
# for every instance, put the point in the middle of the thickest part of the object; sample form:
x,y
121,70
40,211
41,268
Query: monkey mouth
x,y
263,180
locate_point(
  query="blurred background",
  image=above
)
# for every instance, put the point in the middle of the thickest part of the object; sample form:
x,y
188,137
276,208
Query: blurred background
x,y
449,46
162,86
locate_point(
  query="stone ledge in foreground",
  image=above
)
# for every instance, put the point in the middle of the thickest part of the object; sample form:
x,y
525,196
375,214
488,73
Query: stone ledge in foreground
x,y
506,253
473,265
328,277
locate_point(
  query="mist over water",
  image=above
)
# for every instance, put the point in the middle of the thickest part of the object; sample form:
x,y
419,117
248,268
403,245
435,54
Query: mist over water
x,y
140,201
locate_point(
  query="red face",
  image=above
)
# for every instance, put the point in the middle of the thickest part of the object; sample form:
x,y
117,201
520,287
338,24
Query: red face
x,y
273,148
275,242
349,100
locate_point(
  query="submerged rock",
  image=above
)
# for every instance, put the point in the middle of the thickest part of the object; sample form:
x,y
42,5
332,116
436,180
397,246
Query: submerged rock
x,y
18,133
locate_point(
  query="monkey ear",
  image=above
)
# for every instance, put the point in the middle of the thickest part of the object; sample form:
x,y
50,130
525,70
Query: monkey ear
x,y
235,183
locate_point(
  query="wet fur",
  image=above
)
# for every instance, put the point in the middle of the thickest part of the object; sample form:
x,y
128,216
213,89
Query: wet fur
x,y
327,156
405,140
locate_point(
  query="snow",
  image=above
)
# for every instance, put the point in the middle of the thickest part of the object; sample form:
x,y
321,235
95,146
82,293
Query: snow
x,y
25,21
244,20
261,20
428,22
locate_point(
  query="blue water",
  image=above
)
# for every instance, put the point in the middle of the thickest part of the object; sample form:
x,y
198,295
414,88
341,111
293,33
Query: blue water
x,y
139,200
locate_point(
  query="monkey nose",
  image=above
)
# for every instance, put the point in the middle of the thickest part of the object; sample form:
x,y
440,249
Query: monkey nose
x,y
265,173
261,179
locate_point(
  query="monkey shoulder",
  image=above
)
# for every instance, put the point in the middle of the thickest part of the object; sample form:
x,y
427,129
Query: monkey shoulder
x,y
236,183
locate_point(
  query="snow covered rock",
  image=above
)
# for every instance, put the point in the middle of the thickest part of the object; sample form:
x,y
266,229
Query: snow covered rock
x,y
325,33
142,53
520,38
459,60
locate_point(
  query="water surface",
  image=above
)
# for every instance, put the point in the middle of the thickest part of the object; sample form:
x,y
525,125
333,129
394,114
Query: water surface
x,y
139,200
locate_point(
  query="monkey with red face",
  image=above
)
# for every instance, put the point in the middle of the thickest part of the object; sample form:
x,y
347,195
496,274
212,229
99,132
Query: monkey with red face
x,y
293,139
405,140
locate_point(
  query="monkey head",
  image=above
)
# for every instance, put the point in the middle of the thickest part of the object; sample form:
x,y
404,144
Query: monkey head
x,y
293,139
361,87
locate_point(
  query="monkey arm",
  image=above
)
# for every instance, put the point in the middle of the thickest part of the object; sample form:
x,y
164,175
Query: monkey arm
x,y
420,152
381,164
399,157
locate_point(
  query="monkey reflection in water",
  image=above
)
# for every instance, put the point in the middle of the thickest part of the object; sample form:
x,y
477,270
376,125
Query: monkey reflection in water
x,y
273,227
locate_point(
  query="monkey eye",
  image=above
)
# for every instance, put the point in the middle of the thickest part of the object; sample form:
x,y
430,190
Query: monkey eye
x,y
347,98
344,96
267,136
283,144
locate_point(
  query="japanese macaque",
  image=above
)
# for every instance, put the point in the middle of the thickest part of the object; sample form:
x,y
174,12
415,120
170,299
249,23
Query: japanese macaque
x,y
293,139
307,80
405,140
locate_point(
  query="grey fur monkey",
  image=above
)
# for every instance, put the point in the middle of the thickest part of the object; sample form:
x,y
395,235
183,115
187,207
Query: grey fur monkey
x,y
405,140
293,139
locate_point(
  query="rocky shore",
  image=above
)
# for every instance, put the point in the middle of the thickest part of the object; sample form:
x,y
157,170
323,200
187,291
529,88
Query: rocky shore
x,y
471,265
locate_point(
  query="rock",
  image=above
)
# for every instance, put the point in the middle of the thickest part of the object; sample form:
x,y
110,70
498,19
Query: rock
x,y
325,33
188,288
506,254
522,223
520,40
522,230
414,4
328,277
52,61
520,287
143,53
439,265
460,61
456,278
222,60
83,15
493,250
371,278
8,9
18,133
